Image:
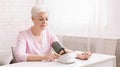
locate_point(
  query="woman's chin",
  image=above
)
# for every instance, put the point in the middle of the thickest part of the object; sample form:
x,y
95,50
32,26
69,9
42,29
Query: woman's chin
x,y
43,28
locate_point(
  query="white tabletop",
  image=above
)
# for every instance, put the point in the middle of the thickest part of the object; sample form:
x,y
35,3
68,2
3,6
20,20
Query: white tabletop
x,y
95,58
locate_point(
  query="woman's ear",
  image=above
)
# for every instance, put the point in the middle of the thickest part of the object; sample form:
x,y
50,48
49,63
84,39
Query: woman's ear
x,y
32,17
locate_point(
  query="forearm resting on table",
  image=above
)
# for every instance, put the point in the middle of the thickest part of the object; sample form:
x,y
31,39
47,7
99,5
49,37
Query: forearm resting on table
x,y
35,58
80,55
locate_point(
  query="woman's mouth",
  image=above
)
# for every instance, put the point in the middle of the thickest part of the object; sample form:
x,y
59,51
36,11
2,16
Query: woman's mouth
x,y
43,25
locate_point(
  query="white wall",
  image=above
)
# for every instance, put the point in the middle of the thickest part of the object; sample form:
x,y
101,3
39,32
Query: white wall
x,y
14,17
113,20
106,24
71,17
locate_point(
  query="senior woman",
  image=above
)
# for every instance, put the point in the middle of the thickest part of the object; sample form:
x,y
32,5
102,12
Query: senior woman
x,y
35,43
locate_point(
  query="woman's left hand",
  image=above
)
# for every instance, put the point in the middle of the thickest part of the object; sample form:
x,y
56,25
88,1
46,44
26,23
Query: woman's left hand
x,y
51,56
84,56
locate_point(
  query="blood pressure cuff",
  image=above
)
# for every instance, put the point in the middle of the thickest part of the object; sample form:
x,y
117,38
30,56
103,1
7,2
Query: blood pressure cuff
x,y
57,47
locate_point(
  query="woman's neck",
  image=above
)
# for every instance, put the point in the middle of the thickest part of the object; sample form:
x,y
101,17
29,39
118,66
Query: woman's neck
x,y
36,31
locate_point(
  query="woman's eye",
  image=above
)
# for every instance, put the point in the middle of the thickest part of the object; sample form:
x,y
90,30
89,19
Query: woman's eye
x,y
43,19
46,19
40,19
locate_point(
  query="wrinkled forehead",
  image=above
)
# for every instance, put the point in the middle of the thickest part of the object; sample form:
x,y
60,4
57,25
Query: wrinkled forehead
x,y
42,14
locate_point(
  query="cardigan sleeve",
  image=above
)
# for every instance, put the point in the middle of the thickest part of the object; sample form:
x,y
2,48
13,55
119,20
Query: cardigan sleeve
x,y
20,49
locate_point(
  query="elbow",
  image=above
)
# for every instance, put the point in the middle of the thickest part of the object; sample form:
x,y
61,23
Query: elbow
x,y
20,57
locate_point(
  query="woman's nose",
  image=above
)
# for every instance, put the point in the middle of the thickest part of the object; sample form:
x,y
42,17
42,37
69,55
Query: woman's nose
x,y
44,21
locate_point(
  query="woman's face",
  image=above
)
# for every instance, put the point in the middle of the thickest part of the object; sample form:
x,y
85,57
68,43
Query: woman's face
x,y
41,20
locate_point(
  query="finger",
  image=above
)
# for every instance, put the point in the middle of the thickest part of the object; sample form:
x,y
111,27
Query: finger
x,y
50,58
53,55
81,56
85,56
57,55
90,53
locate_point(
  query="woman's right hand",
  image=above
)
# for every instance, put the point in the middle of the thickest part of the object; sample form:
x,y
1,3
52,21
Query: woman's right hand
x,y
84,56
51,56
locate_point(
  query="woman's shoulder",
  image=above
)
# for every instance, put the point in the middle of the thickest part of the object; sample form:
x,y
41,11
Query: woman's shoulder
x,y
27,31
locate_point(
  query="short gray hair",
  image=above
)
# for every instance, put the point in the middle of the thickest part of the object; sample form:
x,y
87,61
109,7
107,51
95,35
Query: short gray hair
x,y
37,9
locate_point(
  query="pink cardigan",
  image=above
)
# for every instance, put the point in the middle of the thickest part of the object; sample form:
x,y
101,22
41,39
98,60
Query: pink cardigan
x,y
27,44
